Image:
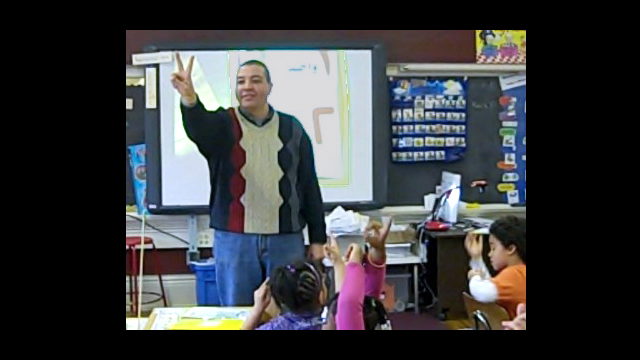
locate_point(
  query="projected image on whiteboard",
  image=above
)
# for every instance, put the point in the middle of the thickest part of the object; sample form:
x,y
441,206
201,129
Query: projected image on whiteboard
x,y
328,91
323,115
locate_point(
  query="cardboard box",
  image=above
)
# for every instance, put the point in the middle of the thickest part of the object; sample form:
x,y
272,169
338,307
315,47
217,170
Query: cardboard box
x,y
400,237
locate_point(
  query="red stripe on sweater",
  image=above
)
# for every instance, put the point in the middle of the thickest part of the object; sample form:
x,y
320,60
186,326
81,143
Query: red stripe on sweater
x,y
238,183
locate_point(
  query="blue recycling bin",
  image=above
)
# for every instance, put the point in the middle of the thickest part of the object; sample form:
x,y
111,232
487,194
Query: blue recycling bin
x,y
206,284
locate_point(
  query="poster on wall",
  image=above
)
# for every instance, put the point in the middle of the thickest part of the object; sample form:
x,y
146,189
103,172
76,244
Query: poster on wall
x,y
513,132
501,46
428,119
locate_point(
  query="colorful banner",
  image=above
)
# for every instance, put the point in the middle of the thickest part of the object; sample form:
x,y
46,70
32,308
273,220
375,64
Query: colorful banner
x,y
501,46
138,159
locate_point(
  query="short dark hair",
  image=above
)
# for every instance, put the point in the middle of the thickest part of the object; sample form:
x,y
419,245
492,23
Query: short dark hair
x,y
296,287
511,230
259,63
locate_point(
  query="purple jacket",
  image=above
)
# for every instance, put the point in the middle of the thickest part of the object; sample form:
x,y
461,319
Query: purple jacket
x,y
293,322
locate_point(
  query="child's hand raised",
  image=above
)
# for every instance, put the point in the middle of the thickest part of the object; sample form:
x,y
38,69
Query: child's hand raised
x,y
332,251
261,300
473,244
376,234
355,254
262,297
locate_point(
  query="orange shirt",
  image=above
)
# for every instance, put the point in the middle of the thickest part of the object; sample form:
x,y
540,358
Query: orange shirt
x,y
511,283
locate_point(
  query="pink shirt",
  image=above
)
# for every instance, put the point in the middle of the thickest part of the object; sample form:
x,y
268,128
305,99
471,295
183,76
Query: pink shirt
x,y
359,281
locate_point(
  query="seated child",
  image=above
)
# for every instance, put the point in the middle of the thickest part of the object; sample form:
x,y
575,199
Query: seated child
x,y
508,241
299,290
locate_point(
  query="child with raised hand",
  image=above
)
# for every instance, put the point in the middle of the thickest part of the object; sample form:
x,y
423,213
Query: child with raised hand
x,y
357,306
332,253
508,241
300,290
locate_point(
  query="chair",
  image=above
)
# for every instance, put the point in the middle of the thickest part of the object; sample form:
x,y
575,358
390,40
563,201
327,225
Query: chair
x,y
132,244
490,316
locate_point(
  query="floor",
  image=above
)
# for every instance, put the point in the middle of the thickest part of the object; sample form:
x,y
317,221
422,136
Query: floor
x,y
459,324
412,321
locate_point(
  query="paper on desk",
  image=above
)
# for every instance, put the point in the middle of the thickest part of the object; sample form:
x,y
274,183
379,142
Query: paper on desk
x,y
165,321
166,317
216,313
341,222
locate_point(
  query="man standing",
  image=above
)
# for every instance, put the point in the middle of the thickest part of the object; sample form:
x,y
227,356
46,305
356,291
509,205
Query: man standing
x,y
264,187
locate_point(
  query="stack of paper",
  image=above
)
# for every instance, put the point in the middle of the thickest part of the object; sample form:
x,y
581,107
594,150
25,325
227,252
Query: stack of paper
x,y
341,222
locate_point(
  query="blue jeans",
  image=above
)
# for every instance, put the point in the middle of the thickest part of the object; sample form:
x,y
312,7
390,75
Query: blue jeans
x,y
243,262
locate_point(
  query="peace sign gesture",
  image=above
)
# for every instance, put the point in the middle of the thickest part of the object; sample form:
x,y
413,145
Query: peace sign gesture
x,y
181,81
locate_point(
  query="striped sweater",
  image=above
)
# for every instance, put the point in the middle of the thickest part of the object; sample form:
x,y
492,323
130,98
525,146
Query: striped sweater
x,y
263,178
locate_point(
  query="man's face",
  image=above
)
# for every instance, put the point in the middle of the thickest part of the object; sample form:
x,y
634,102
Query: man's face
x,y
252,87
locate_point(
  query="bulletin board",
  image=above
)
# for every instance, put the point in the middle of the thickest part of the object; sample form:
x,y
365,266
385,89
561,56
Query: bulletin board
x,y
513,131
428,119
409,182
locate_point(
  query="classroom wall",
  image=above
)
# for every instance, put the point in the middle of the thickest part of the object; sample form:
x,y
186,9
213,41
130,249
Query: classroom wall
x,y
408,183
402,46
419,46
